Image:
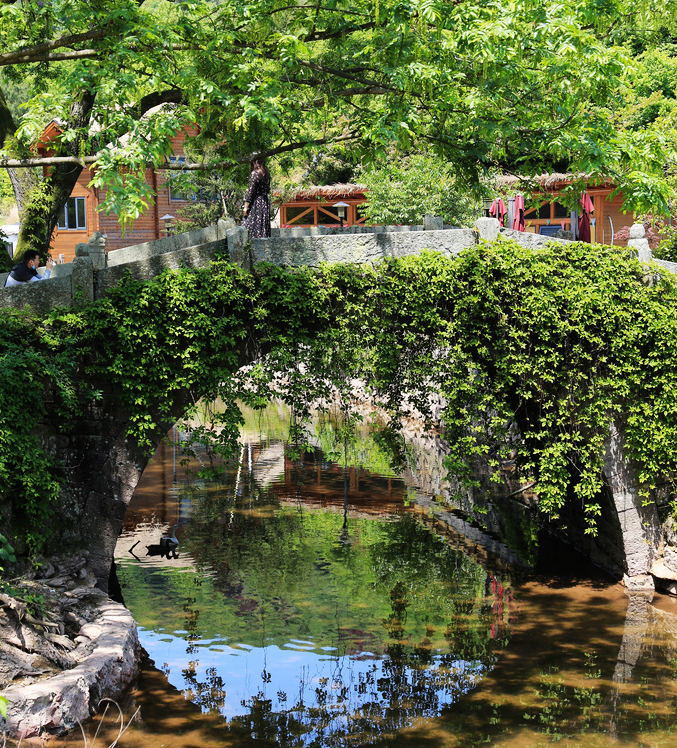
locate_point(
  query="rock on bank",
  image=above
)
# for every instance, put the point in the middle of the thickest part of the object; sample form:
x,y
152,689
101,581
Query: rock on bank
x,y
58,679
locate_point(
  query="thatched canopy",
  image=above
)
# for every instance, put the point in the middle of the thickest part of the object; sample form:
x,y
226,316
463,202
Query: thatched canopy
x,y
331,191
545,181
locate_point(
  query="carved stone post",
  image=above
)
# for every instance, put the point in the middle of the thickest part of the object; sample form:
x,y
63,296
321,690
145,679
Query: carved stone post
x,y
83,278
639,242
488,228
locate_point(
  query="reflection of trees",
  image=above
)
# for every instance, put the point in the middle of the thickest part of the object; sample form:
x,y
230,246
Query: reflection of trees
x,y
429,641
209,695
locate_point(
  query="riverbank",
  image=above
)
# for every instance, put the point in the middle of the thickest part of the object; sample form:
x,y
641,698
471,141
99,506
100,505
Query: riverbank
x,y
64,646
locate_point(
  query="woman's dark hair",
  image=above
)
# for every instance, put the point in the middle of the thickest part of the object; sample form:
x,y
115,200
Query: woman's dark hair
x,y
258,163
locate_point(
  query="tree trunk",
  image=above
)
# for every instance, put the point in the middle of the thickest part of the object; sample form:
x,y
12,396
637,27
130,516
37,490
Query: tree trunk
x,y
47,198
23,180
7,126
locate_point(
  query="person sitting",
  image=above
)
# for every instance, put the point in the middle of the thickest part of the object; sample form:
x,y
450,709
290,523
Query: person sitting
x,y
27,270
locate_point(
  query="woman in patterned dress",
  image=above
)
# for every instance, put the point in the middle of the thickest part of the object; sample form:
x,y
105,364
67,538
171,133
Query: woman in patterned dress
x,y
257,199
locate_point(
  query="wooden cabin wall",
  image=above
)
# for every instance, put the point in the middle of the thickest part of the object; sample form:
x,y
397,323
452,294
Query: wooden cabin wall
x,y
146,228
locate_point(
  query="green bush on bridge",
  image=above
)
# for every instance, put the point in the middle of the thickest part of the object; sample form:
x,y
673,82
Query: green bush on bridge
x,y
535,352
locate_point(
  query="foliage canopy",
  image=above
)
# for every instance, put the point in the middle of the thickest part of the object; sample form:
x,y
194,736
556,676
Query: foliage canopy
x,y
535,353
404,191
523,85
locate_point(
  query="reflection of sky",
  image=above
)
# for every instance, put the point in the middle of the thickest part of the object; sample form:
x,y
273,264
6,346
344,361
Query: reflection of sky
x,y
297,671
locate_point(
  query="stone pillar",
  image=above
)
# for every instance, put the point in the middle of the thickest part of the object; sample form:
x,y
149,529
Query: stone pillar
x,y
639,522
97,250
238,247
639,242
432,223
83,278
488,228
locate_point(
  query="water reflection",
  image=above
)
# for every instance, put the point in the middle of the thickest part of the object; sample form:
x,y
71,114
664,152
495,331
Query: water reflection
x,y
298,627
277,625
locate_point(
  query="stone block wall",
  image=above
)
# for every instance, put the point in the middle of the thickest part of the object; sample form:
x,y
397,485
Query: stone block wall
x,y
146,251
45,295
153,264
358,248
84,279
101,470
67,283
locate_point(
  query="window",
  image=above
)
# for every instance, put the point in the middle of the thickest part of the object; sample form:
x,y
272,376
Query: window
x,y
548,211
327,215
73,215
178,191
561,211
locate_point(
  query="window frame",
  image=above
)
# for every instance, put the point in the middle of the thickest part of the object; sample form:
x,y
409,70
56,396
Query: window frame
x,y
80,199
176,198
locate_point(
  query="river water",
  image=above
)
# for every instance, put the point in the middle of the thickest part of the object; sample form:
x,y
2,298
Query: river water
x,y
311,603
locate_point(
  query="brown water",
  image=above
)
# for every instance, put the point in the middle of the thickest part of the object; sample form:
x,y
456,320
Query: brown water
x,y
465,651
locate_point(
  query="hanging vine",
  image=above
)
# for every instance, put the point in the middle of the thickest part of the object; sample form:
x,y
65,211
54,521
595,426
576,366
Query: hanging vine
x,y
535,352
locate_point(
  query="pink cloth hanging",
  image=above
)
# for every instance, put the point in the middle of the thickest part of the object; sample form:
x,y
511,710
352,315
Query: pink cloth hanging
x,y
518,220
498,210
584,221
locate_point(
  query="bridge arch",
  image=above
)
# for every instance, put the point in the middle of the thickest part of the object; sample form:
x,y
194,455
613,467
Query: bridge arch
x,y
109,441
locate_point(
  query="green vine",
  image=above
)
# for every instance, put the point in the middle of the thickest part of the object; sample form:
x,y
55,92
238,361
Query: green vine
x,y
33,366
535,353
35,220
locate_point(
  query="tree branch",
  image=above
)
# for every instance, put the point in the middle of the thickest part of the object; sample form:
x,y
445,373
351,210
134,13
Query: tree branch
x,y
81,54
358,79
25,163
65,41
346,93
324,35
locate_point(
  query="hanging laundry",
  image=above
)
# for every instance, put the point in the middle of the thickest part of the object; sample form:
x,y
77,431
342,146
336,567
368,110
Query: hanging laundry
x,y
518,220
498,210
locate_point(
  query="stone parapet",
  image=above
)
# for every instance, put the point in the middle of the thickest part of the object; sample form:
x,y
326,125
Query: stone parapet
x,y
358,248
300,231
154,264
171,244
91,274
533,241
41,297
669,266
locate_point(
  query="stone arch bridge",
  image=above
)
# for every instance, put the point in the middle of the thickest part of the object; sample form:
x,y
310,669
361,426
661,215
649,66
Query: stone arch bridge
x,y
103,467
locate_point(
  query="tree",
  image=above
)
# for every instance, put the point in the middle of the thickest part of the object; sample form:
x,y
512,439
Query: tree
x,y
484,84
406,189
214,195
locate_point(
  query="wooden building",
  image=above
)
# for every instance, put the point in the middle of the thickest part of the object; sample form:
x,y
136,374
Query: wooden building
x,y
607,217
81,217
315,206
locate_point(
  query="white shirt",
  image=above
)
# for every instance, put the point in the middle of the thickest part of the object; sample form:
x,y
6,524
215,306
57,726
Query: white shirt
x,y
12,282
